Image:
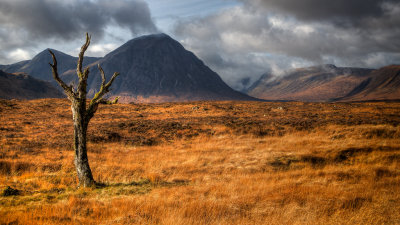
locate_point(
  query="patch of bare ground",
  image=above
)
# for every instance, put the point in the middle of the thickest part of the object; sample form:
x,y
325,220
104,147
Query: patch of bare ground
x,y
203,163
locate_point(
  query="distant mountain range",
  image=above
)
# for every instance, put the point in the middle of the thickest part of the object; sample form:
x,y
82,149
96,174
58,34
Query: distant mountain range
x,y
381,84
39,67
330,83
23,86
153,68
156,68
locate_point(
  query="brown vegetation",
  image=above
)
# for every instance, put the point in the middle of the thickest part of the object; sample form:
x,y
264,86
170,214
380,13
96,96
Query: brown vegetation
x,y
330,83
203,163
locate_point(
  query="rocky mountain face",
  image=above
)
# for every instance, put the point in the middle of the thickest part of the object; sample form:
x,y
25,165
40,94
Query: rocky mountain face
x,y
381,84
156,68
23,86
153,68
319,83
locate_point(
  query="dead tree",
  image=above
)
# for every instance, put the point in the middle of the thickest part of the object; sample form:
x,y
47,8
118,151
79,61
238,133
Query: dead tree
x,y
81,113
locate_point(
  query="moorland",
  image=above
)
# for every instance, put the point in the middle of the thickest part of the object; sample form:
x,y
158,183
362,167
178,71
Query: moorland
x,y
205,162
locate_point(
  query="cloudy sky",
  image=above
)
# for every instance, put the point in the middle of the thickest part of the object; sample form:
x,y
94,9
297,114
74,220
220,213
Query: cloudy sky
x,y
237,38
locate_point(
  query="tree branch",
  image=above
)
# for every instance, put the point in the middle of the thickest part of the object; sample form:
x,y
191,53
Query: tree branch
x,y
104,86
80,59
67,89
104,89
103,76
83,76
108,102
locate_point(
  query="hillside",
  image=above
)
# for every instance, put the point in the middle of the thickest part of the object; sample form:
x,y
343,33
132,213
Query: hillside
x,y
319,83
23,86
381,84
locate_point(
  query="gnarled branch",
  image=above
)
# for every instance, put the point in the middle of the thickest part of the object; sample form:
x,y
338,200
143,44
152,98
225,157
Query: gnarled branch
x,y
104,89
103,76
83,76
80,59
67,89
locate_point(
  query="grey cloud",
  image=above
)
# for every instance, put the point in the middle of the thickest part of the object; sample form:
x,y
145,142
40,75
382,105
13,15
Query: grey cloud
x,y
45,18
246,40
11,40
24,22
341,12
134,15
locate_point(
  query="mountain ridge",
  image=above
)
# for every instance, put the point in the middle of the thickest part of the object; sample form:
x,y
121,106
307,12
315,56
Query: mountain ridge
x,y
317,83
382,84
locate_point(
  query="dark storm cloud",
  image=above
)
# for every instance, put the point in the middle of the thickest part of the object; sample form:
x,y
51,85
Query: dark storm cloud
x,y
134,15
275,35
43,19
347,12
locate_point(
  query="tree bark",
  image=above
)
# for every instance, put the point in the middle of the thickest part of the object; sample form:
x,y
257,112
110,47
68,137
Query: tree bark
x,y
81,161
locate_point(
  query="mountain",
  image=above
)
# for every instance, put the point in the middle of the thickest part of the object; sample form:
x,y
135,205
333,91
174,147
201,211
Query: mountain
x,y
153,68
381,84
318,83
23,86
39,67
156,68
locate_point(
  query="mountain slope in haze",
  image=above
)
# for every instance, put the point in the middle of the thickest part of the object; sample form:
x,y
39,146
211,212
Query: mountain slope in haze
x,y
39,67
381,84
14,67
156,68
22,86
319,83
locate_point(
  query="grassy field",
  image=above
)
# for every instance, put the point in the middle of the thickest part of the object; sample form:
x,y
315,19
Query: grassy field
x,y
203,163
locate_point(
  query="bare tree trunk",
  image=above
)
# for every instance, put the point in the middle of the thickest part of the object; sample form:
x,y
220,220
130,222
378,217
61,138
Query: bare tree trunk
x,y
81,113
81,159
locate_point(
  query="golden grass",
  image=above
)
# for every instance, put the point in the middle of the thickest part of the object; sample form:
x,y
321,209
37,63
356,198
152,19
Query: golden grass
x,y
204,163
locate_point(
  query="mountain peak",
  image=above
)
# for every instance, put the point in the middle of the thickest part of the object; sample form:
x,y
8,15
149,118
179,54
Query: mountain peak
x,y
148,43
329,66
321,67
151,37
158,35
45,53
